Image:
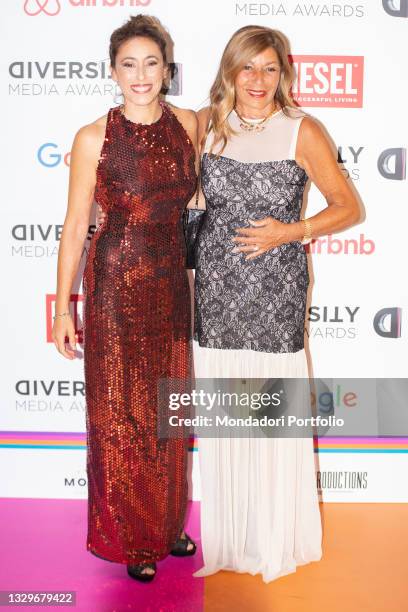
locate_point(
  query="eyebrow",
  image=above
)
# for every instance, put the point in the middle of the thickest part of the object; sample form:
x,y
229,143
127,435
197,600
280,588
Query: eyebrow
x,y
268,64
129,57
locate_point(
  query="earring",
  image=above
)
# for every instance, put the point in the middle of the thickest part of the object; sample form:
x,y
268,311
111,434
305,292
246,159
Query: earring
x,y
166,83
117,95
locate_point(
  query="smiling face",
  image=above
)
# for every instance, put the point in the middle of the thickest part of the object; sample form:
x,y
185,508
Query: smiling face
x,y
256,84
139,70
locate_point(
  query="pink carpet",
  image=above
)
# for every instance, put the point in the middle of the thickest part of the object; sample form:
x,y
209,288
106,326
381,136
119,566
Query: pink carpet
x,y
43,548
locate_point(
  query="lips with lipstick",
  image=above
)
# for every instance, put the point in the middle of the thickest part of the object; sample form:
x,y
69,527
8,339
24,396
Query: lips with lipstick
x,y
141,89
256,93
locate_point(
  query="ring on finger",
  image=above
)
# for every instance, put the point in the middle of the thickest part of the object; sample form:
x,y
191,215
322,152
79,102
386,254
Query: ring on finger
x,y
255,248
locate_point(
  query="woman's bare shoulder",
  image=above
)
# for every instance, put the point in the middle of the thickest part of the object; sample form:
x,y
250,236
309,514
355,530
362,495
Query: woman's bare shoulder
x,y
186,116
188,120
101,121
92,134
89,139
311,132
94,130
203,115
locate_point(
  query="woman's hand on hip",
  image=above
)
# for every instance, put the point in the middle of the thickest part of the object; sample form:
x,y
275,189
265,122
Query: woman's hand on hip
x,y
265,234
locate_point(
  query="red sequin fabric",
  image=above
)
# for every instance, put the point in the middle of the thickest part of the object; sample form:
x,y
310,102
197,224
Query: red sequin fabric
x,y
136,331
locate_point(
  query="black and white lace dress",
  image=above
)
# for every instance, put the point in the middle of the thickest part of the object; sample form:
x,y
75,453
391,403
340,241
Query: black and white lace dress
x,y
259,504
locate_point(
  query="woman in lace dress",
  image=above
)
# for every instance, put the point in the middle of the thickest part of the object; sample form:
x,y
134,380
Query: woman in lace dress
x,y
259,506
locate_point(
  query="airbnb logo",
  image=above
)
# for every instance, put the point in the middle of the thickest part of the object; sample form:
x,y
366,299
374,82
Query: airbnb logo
x,y
345,246
53,7
48,7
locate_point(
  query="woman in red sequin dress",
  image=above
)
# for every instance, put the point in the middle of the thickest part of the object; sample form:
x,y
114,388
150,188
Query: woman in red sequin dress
x,y
138,163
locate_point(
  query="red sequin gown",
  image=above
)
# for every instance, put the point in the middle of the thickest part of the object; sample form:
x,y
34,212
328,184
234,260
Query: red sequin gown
x,y
137,330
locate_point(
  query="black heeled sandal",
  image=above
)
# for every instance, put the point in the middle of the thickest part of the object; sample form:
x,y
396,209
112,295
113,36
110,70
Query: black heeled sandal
x,y
180,548
135,571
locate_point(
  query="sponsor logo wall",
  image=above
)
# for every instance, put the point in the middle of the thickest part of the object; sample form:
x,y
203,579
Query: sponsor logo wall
x,y
349,57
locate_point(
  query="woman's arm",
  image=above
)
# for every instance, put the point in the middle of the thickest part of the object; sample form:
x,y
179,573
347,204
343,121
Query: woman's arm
x,y
314,154
84,158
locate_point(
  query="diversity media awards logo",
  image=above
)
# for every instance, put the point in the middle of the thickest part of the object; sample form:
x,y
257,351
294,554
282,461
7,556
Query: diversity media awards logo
x,y
392,164
387,322
68,77
40,241
308,10
328,80
396,8
335,322
332,322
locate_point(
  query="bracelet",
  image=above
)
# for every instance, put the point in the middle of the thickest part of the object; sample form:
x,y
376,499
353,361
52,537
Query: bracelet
x,y
63,314
307,236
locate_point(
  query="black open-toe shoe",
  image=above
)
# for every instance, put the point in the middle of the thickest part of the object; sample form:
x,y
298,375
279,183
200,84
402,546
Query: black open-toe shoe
x,y
135,571
180,548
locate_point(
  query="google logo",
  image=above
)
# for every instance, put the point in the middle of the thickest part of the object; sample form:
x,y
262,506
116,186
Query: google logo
x,y
51,159
328,400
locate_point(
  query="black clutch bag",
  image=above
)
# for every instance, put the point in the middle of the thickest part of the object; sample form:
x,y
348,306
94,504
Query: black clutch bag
x,y
192,221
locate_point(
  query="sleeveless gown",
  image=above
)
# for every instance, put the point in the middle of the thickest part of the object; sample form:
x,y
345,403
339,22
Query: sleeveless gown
x,y
259,503
136,330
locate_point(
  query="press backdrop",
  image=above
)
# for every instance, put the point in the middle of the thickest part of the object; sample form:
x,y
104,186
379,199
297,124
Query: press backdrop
x,y
351,63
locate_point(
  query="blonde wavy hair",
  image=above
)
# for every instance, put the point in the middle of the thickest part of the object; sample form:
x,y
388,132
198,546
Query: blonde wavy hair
x,y
246,43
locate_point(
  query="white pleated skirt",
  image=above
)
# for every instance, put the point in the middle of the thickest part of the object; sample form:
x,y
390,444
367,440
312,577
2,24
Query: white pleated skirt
x,y
259,502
